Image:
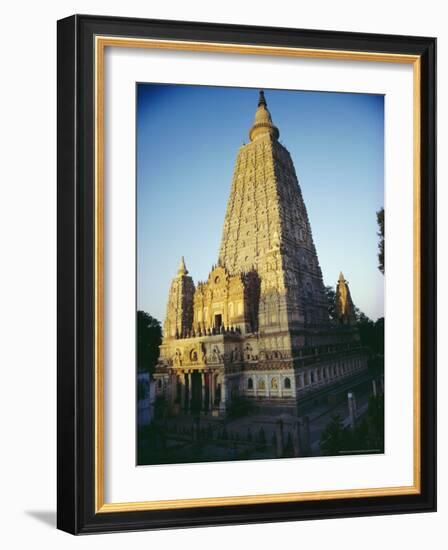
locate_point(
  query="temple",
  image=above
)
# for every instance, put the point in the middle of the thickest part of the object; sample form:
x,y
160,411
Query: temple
x,y
258,329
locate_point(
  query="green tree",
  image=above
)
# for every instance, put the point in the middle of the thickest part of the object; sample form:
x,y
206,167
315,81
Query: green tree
x,y
367,435
375,422
334,437
361,317
149,338
380,221
371,332
379,336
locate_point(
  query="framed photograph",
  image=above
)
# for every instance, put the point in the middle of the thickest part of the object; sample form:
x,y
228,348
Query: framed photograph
x,y
246,274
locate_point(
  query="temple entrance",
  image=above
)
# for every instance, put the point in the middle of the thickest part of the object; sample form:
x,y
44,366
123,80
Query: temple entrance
x,y
217,394
196,392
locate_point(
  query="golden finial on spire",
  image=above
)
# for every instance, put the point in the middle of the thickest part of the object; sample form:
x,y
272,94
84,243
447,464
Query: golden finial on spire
x,y
182,267
263,123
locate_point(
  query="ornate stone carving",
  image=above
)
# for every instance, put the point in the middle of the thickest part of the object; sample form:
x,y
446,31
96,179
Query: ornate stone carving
x,y
263,306
179,314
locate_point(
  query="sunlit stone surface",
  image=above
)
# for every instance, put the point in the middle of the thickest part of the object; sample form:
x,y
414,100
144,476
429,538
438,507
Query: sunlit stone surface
x,y
259,327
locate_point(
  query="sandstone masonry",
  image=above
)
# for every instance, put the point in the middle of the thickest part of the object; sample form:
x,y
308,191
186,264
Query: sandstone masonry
x,y
258,328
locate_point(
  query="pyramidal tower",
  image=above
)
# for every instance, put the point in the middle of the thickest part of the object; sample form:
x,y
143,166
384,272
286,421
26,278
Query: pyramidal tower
x,y
258,327
180,301
345,310
266,228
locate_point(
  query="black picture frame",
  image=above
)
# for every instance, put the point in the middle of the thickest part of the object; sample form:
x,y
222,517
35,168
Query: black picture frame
x,y
76,286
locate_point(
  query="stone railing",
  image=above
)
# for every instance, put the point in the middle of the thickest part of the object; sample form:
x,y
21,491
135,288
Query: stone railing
x,y
214,331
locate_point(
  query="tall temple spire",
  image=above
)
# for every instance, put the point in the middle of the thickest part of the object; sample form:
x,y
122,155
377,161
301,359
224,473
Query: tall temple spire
x,y
267,230
263,122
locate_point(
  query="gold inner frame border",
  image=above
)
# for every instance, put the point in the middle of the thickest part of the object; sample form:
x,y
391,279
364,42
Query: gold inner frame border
x,y
101,42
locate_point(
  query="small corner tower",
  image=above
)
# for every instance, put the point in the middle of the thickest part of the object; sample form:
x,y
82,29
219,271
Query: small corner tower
x,y
345,310
179,314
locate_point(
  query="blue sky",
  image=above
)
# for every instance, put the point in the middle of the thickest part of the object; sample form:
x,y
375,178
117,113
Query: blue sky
x,y
187,141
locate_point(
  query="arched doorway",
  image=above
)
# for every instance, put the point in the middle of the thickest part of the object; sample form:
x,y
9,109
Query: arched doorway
x,y
196,392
